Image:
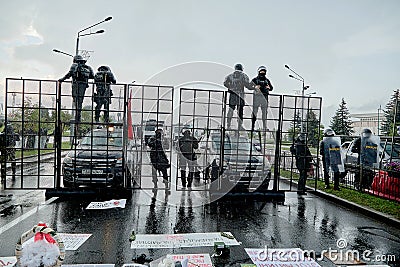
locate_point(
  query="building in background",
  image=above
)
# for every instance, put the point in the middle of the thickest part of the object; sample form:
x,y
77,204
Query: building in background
x,y
367,120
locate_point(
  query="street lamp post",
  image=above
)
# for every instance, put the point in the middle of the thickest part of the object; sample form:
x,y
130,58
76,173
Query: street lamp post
x,y
379,109
303,88
87,28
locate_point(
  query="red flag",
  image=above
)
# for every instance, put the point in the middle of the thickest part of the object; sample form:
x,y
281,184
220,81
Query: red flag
x,y
130,127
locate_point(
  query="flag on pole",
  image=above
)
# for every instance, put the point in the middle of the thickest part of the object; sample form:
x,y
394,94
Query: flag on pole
x,y
130,126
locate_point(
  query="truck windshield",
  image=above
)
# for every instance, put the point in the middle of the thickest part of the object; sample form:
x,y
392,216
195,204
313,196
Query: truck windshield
x,y
101,138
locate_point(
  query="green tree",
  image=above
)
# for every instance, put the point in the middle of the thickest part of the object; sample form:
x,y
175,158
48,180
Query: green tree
x,y
314,128
387,125
341,123
295,126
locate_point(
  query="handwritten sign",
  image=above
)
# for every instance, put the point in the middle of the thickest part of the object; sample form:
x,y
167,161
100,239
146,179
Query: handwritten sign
x,y
181,240
7,261
114,203
134,265
194,260
290,257
73,241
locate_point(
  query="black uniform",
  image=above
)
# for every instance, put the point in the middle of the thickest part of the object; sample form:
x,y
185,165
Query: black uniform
x,y
303,162
80,73
158,158
260,98
187,144
235,82
9,140
103,78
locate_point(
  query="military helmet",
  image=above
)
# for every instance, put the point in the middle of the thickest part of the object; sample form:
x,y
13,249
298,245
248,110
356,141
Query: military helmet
x,y
262,68
239,67
79,58
329,132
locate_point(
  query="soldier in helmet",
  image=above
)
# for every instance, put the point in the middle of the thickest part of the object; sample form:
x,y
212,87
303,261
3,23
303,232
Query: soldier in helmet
x,y
235,82
303,161
260,97
80,74
330,150
103,78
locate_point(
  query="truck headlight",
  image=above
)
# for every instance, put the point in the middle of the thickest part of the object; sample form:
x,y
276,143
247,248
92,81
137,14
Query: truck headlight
x,y
119,162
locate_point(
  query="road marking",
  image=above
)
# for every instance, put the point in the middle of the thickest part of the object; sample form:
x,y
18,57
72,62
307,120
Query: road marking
x,y
26,215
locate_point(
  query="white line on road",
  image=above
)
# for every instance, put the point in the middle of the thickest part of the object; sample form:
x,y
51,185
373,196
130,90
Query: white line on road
x,y
26,215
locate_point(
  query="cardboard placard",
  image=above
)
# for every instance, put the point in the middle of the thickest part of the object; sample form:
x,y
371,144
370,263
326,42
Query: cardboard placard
x,y
73,241
194,260
8,261
181,240
110,204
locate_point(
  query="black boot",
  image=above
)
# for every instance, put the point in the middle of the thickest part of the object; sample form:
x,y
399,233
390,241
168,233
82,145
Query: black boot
x,y
183,178
190,179
336,181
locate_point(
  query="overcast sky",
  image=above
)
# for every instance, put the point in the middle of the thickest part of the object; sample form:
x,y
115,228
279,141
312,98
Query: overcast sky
x,y
346,48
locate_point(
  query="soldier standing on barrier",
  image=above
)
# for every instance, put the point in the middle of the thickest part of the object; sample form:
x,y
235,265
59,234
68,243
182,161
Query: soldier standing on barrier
x,y
330,149
187,144
158,157
80,73
367,148
103,78
303,161
235,82
260,96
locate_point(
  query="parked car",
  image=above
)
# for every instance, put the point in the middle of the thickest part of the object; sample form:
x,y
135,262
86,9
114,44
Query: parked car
x,y
351,159
242,167
100,159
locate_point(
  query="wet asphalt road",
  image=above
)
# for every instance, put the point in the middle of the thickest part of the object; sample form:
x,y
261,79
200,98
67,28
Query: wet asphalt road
x,y
307,222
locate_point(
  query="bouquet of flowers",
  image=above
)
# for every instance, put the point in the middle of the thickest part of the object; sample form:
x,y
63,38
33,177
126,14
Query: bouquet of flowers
x,y
393,166
40,247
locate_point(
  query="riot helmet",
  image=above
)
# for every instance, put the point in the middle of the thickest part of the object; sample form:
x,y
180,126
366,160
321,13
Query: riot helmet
x,y
159,133
329,132
262,68
366,133
239,67
79,59
301,137
104,68
186,132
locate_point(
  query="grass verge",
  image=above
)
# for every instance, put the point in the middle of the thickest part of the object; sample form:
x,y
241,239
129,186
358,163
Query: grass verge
x,y
364,199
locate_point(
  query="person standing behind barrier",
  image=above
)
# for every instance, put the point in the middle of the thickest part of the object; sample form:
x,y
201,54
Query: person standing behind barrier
x,y
80,73
366,146
260,96
9,141
330,150
103,78
158,157
187,144
235,82
303,161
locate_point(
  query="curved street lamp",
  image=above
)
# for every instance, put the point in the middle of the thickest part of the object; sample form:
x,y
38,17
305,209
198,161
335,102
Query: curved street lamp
x,y
87,28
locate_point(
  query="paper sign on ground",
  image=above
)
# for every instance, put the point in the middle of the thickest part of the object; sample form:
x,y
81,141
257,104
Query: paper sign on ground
x,y
194,260
134,265
181,240
8,261
73,241
114,203
89,265
290,257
